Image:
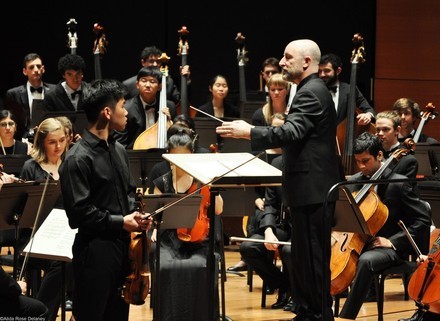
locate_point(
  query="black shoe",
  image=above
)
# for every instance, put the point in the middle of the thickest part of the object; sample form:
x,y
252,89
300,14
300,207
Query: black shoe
x,y
289,305
415,317
282,300
269,290
68,305
237,268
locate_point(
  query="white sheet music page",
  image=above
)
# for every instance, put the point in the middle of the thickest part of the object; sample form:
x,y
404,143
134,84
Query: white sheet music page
x,y
54,239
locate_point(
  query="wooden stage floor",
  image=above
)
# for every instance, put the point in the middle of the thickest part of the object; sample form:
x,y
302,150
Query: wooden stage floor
x,y
242,305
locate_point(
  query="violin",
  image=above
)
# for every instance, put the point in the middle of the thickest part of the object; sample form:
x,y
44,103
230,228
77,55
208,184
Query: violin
x,y
137,284
347,246
156,136
199,232
424,285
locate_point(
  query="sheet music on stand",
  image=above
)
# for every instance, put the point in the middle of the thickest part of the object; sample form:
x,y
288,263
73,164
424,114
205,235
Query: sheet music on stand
x,y
54,239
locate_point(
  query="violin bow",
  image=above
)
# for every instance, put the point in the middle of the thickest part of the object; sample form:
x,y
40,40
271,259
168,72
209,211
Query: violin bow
x,y
37,217
410,238
215,179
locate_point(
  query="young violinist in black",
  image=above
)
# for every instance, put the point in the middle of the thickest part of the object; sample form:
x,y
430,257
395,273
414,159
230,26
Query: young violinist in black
x,y
390,245
99,199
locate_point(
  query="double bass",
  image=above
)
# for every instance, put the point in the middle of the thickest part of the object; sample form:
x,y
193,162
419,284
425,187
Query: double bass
x,y
242,61
156,135
72,38
183,53
348,130
99,48
347,246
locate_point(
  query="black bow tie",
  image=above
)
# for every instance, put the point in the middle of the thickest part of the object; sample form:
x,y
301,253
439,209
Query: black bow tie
x,y
39,89
333,89
75,93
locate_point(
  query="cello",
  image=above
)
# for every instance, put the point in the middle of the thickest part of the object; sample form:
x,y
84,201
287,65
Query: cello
x,y
156,135
347,129
424,285
347,246
99,48
137,284
424,117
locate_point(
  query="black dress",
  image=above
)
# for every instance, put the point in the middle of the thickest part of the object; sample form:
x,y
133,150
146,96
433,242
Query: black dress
x,y
183,286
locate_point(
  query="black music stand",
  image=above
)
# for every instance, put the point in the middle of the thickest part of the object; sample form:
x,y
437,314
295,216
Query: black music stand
x,y
224,170
181,215
12,164
20,204
141,162
53,241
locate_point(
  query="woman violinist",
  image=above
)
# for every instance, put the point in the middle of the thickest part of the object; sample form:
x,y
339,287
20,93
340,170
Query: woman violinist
x,y
143,109
390,245
183,285
433,312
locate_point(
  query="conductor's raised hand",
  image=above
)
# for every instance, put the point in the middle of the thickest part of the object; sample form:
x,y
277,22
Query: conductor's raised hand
x,y
235,129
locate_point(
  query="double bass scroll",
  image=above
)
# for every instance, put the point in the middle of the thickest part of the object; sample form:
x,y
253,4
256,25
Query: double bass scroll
x,y
99,48
183,53
357,58
242,61
72,38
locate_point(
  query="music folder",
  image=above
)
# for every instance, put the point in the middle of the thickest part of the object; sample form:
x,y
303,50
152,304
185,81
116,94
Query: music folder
x,y
182,214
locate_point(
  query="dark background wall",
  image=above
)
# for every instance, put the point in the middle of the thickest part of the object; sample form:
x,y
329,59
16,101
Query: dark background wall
x,y
132,25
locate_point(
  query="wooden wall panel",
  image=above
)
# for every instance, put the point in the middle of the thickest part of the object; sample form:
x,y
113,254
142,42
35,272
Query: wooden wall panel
x,y
407,59
387,91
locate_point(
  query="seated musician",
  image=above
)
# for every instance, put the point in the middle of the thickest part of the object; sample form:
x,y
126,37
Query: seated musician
x,y
390,245
409,111
143,109
184,287
421,313
388,126
272,226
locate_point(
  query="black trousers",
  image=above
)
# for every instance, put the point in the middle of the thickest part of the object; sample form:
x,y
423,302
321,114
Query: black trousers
x,y
22,306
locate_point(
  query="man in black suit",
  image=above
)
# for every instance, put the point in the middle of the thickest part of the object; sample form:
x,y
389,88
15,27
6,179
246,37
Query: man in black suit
x,y
330,68
389,246
150,57
68,94
310,169
409,112
388,129
144,108
19,100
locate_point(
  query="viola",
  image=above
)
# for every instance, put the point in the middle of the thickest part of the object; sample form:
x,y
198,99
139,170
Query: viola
x,y
156,136
347,246
137,284
199,232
